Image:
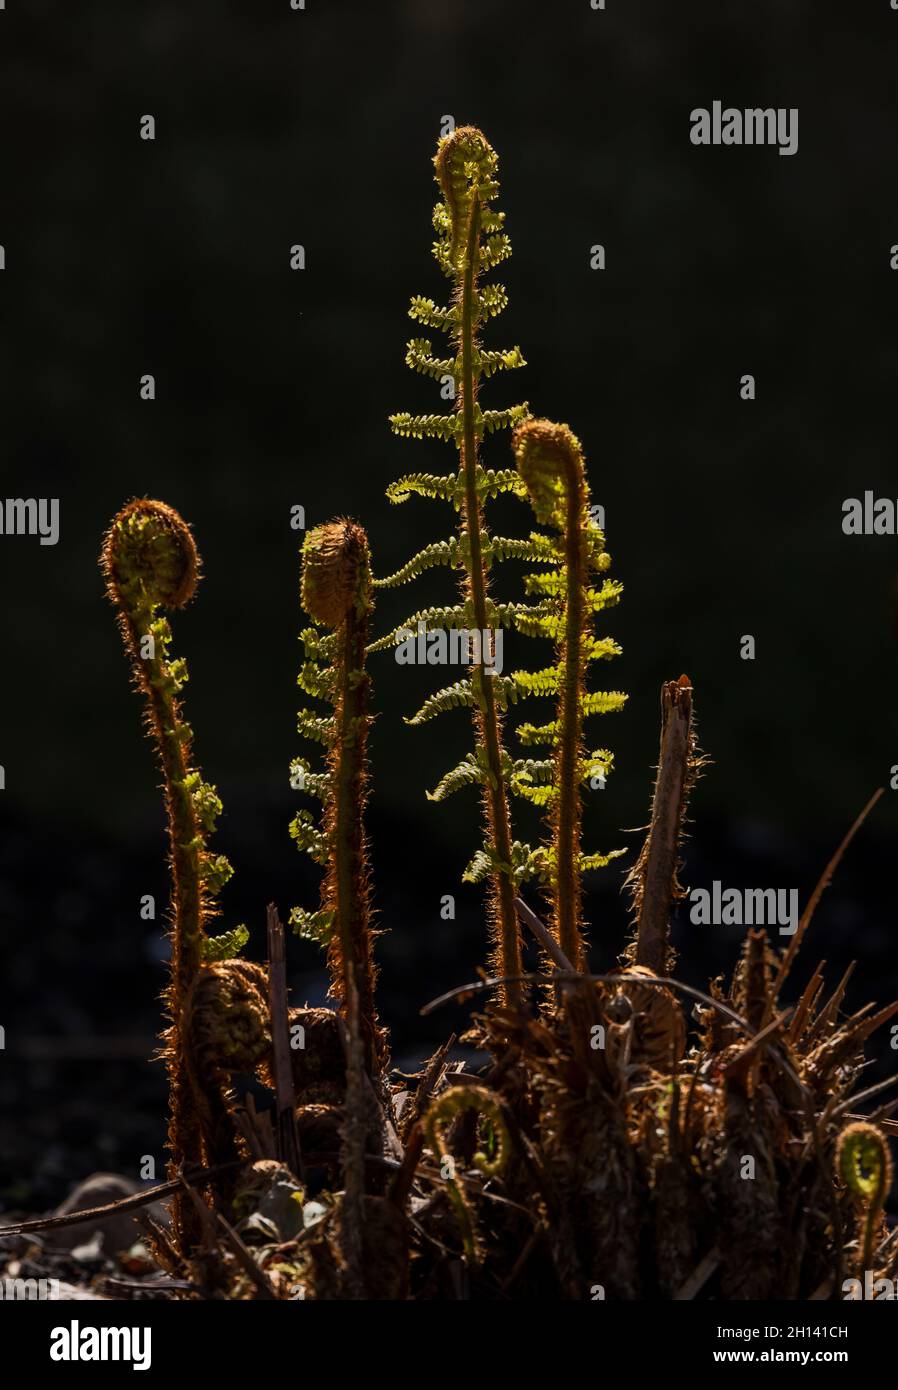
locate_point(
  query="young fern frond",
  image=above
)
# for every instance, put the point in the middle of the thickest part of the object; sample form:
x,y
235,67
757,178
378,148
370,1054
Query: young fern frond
x,y
470,241
441,1114
150,563
227,1026
337,595
550,462
864,1164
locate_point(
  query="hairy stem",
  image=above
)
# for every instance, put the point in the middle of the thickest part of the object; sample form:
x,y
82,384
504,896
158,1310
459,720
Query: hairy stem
x,y
150,562
336,593
654,878
568,811
507,946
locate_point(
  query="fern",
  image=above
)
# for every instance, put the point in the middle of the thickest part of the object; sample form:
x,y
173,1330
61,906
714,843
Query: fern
x,y
337,594
550,462
150,563
470,241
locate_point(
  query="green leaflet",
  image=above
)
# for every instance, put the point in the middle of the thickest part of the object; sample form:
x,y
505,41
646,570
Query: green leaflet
x,y
526,863
313,726
303,779
505,360
445,486
603,701
427,620
308,837
537,549
599,861
317,681
418,357
312,926
466,774
530,734
226,946
426,312
458,696
424,426
439,553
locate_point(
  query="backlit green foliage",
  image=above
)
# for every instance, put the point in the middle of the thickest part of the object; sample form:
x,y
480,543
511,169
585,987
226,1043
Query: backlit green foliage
x,y
337,596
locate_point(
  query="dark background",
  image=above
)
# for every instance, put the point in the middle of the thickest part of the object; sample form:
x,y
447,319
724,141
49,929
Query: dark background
x,y
723,517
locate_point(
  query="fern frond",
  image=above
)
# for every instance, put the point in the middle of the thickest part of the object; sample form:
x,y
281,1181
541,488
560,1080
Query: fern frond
x,y
536,682
313,926
525,863
606,597
226,946
537,549
439,553
490,361
491,482
480,868
532,734
418,357
600,648
603,701
458,696
491,300
534,769
317,681
444,486
315,727
309,837
532,780
319,646
314,783
424,311
424,426
599,861
599,763
551,584
495,249
467,774
337,593
492,420
537,796
470,240
427,620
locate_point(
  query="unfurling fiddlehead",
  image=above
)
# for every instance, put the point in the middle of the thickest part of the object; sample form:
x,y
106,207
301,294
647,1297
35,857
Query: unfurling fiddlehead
x,y
336,594
150,563
550,462
470,240
441,1113
227,1028
864,1164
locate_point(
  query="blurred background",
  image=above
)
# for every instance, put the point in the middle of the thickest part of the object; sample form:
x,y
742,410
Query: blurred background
x,y
723,517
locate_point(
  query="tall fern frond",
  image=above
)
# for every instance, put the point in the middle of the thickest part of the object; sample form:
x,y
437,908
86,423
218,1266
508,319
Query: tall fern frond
x,y
150,563
337,596
550,462
470,241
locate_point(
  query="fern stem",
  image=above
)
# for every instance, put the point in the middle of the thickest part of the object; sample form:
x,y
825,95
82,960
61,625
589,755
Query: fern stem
x,y
336,592
150,562
550,462
507,947
351,902
568,810
653,880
